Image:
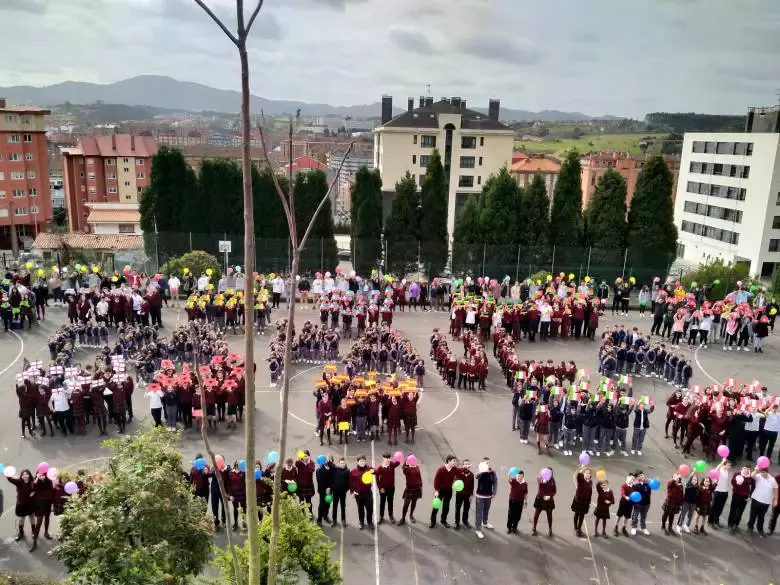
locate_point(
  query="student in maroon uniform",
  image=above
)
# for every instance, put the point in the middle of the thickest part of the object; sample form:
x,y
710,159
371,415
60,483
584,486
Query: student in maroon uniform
x,y
305,479
385,482
24,502
518,498
742,486
464,497
409,409
393,420
413,489
236,488
545,501
604,499
442,489
580,505
362,492
673,503
625,507
42,499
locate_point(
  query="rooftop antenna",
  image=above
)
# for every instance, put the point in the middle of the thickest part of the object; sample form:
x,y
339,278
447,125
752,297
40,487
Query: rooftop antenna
x,y
428,89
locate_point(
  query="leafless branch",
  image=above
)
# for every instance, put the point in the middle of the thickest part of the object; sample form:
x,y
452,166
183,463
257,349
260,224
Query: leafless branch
x,y
279,190
219,23
302,243
254,15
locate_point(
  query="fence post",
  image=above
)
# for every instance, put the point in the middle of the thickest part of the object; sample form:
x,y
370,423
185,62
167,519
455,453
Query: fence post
x,y
517,265
322,256
625,259
552,266
587,270
190,241
156,249
484,252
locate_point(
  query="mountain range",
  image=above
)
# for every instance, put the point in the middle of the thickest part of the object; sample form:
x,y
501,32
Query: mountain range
x,y
166,92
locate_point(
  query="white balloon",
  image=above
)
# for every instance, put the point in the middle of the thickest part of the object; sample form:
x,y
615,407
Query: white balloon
x,y
327,275
297,277
352,274
52,474
483,467
238,269
10,471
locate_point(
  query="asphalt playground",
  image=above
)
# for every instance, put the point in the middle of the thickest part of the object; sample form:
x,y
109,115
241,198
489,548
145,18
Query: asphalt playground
x,y
467,425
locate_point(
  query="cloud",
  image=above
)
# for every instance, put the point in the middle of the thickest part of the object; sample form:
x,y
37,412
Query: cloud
x,y
29,6
410,39
337,4
495,49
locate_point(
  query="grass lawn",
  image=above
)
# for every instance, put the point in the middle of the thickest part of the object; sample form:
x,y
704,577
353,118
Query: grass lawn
x,y
592,142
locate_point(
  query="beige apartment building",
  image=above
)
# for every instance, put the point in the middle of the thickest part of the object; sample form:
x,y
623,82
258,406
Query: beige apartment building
x,y
472,146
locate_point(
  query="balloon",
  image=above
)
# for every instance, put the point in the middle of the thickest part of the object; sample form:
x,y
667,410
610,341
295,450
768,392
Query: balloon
x,y
458,485
43,467
9,471
300,454
95,269
272,457
242,465
632,280
292,487
571,276
654,483
238,269
77,267
185,271
200,464
398,457
763,462
635,497
55,268
209,272
716,281
328,498
601,475
549,278
367,477
52,474
411,460
229,270
684,470
321,460
739,480
587,279
220,460
584,459
723,451
700,466
258,473
546,474
29,265
714,474
71,488
2,468
513,471
436,503
694,284
40,272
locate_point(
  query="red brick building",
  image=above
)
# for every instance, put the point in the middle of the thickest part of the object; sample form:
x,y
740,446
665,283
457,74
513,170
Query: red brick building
x,y
105,169
25,202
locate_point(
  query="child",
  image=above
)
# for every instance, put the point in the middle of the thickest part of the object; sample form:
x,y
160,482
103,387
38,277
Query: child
x,y
518,498
413,489
605,499
626,506
703,506
545,500
690,501
542,429
580,505
672,504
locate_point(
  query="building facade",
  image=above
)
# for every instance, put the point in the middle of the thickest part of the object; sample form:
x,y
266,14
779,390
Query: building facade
x,y
728,199
114,218
25,201
105,169
626,164
525,166
472,146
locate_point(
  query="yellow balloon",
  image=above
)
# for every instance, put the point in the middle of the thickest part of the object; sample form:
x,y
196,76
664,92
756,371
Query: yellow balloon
x,y
367,477
300,454
29,265
95,269
186,271
84,269
571,276
538,281
601,475
272,276
549,277
40,272
632,280
587,279
55,269
209,272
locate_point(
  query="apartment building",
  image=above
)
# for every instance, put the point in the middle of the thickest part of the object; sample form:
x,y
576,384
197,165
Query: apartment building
x,y
105,169
472,145
25,203
728,198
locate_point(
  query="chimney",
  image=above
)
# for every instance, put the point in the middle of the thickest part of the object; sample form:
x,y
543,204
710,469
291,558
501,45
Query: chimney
x,y
2,102
455,102
113,142
422,102
410,104
463,104
428,102
132,143
387,108
494,106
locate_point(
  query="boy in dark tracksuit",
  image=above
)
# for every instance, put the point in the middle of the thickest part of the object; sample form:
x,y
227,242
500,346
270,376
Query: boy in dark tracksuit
x,y
339,490
324,475
621,355
216,496
570,422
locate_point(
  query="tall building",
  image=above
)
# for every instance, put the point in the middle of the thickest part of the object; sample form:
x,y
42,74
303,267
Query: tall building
x,y
25,202
105,169
525,166
728,198
626,164
472,145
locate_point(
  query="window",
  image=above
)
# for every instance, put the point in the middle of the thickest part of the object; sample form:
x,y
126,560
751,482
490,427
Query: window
x,y
717,169
3,213
482,141
81,174
112,189
709,147
425,160
139,162
20,211
126,228
733,170
28,156
30,174
34,209
2,194
725,148
83,188
428,141
2,176
18,193
705,169
17,175
713,233
111,176
468,142
467,162
414,159
717,191
81,162
139,189
776,222
28,138
13,139
414,139
12,118
777,201
93,190
127,169
465,181
33,192
14,157
125,160
110,162
745,172
743,148
733,215
90,162
127,183
774,245
698,146
479,180
91,176
480,161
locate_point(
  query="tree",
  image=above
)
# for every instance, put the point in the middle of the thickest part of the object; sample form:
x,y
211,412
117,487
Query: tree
x,y
322,252
566,216
197,262
273,247
651,229
500,206
535,213
402,228
303,549
605,216
467,239
221,205
60,216
434,198
366,216
114,533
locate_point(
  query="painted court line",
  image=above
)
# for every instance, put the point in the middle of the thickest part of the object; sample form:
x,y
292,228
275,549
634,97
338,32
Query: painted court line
x,y
18,355
696,358
457,405
374,493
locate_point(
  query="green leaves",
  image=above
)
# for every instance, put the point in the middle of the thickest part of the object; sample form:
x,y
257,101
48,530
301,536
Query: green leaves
x,y
366,212
402,228
605,216
566,225
434,197
651,228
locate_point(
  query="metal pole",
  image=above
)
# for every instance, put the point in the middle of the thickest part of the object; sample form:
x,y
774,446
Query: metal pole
x,y
226,255
484,252
587,270
517,265
625,259
552,265
322,256
190,241
156,244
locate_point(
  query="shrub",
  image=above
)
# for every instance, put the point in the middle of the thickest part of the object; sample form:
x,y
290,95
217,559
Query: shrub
x,y
197,262
720,278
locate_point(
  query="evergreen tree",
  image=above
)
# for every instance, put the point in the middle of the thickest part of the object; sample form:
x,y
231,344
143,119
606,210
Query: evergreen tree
x,y
366,216
221,185
468,237
321,252
566,218
605,216
501,203
434,197
270,223
651,230
535,213
402,228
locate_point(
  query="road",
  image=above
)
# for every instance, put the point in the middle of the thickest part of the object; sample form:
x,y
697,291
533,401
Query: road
x,y
468,425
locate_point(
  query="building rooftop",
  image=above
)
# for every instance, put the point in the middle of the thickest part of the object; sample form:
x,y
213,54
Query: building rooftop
x,y
535,164
5,107
78,241
114,145
304,163
114,216
427,117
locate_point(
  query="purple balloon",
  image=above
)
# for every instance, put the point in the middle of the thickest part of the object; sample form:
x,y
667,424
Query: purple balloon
x,y
71,488
584,459
546,474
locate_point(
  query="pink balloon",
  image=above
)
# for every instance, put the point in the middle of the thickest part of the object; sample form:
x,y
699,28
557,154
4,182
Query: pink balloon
x,y
411,460
714,474
52,473
723,451
43,467
546,474
763,462
398,457
739,480
684,470
71,488
220,461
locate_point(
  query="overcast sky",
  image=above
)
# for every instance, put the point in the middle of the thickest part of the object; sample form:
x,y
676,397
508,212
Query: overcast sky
x,y
595,56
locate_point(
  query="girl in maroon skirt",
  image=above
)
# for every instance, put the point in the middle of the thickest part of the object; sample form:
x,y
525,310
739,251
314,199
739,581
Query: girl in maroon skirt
x,y
24,502
604,499
580,505
413,490
545,502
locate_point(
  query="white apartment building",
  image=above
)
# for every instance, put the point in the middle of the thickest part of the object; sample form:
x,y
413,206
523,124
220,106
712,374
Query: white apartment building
x,y
728,199
472,146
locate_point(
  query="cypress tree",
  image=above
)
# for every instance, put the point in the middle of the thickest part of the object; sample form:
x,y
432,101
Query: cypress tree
x,y
535,213
566,218
434,197
402,228
221,186
321,252
605,216
366,217
651,230
271,231
468,237
500,207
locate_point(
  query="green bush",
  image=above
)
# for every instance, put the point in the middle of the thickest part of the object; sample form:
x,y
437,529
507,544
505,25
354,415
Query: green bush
x,y
541,276
197,261
9,578
719,277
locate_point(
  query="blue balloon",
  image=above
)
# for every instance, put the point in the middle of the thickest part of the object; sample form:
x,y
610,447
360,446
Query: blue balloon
x,y
273,457
258,473
2,468
200,464
321,459
635,497
654,484
513,471
242,465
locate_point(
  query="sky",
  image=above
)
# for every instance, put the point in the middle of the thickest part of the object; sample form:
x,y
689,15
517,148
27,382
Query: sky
x,y
594,56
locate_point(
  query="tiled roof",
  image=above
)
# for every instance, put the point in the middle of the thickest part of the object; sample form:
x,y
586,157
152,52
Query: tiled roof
x,y
533,165
12,109
114,216
427,117
305,162
46,241
115,145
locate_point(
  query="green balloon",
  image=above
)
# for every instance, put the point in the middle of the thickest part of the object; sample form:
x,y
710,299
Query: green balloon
x,y
700,466
716,281
694,284
457,485
328,498
436,504
292,487
753,287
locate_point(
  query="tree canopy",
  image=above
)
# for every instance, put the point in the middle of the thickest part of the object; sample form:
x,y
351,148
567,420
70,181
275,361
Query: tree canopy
x,y
534,214
566,225
651,229
605,216
366,215
402,228
500,208
434,197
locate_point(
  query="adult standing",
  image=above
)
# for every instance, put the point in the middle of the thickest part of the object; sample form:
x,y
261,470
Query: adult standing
x,y
763,497
277,288
721,493
442,489
486,487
